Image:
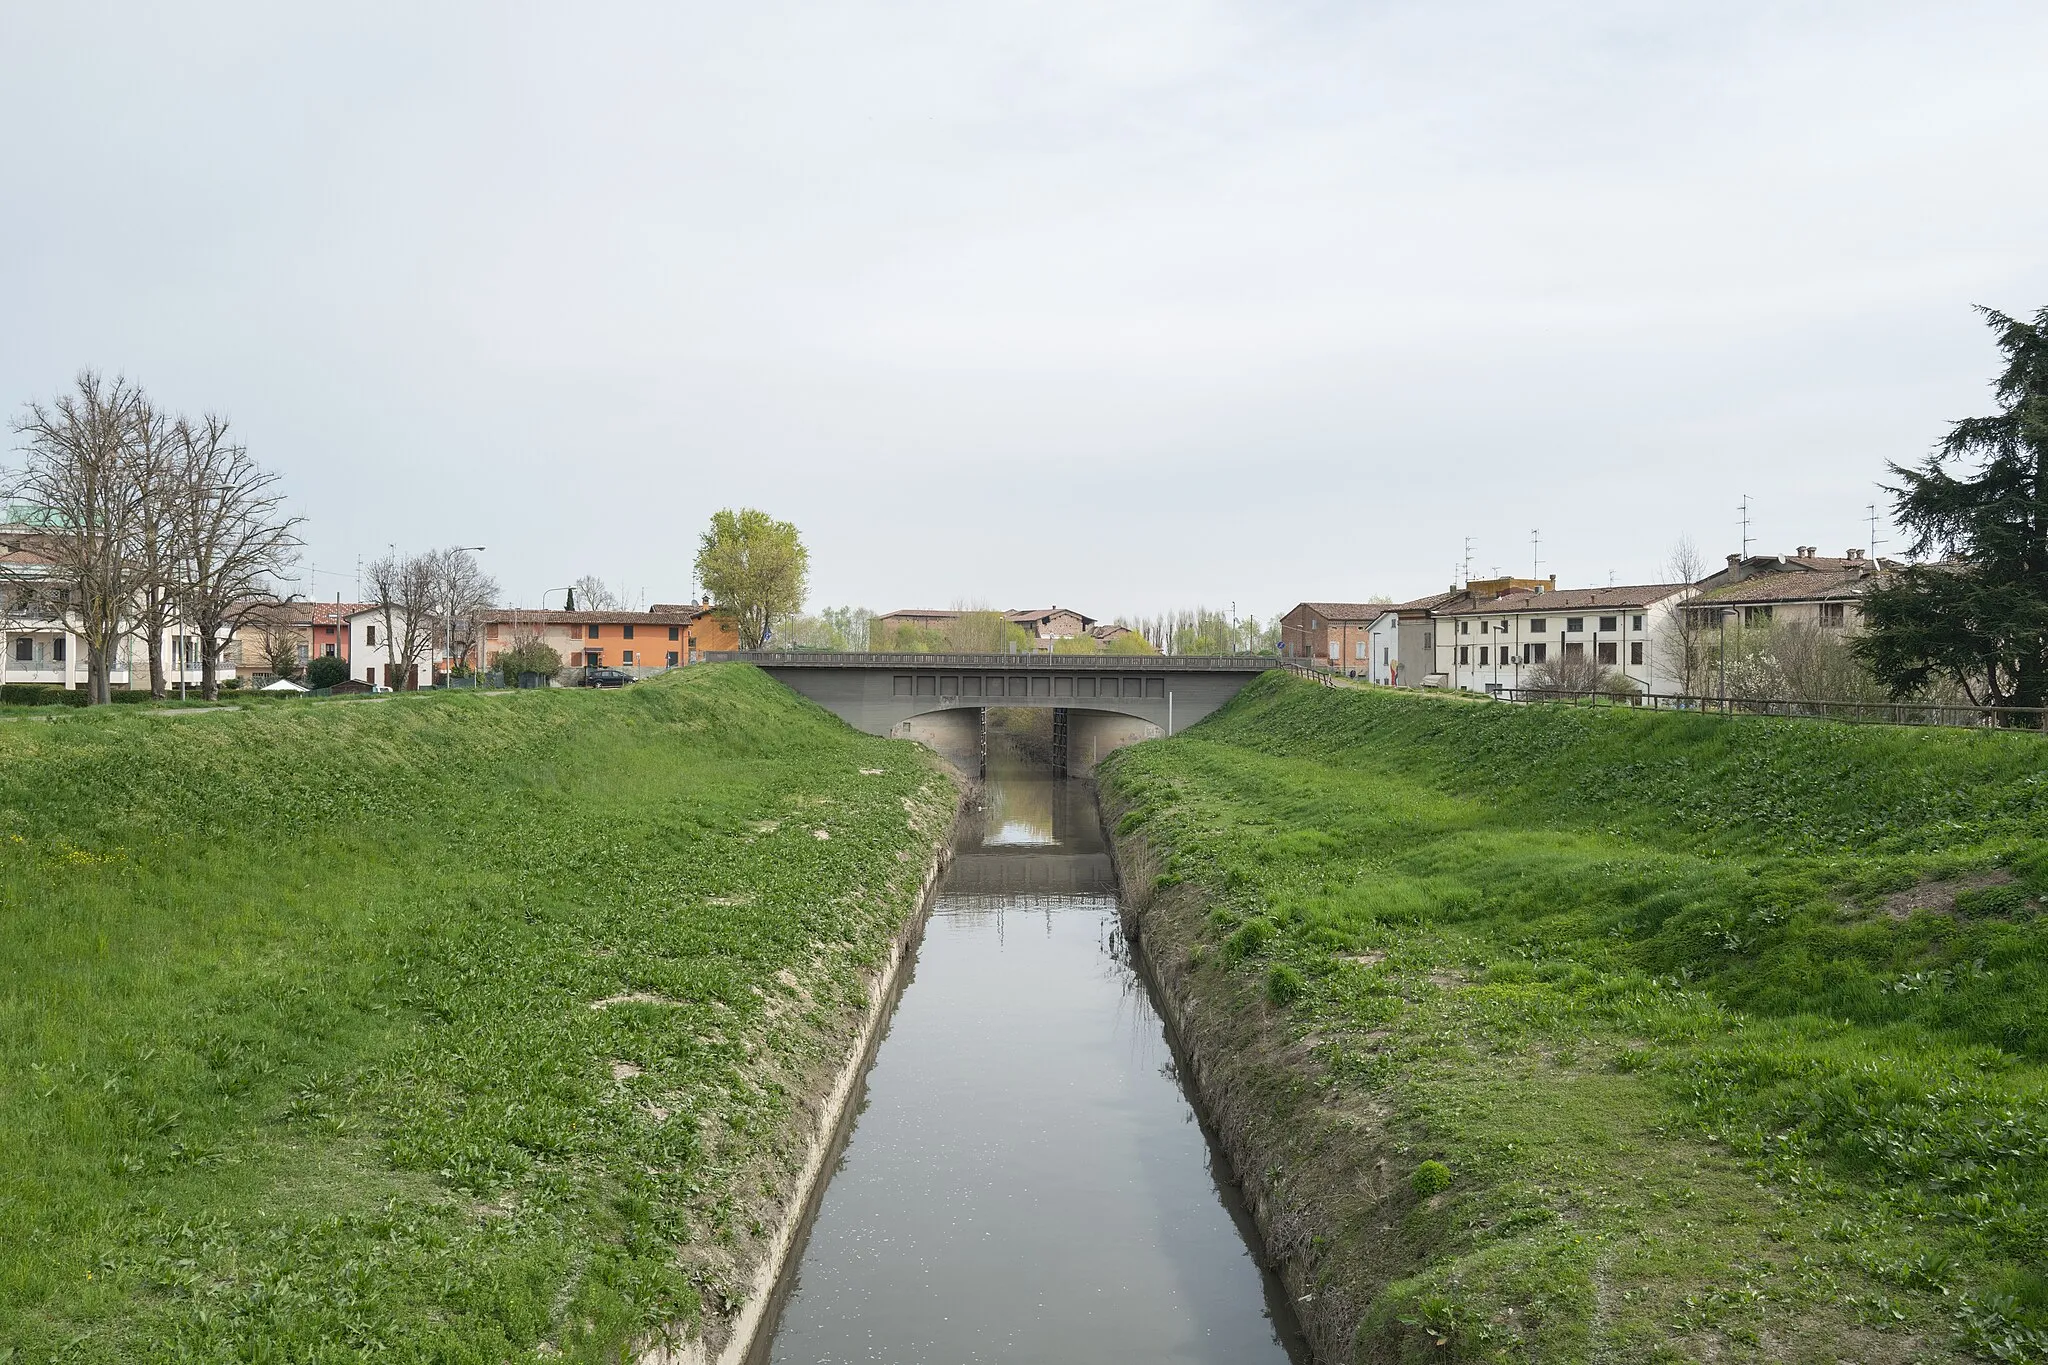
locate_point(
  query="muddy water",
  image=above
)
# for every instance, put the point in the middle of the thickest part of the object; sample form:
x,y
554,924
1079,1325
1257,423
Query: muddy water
x,y
1027,1180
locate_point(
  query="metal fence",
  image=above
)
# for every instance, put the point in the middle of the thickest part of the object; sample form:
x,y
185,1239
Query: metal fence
x,y
1855,712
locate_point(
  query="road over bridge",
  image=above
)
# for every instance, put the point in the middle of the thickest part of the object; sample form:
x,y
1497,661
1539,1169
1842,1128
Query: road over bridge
x,y
1099,701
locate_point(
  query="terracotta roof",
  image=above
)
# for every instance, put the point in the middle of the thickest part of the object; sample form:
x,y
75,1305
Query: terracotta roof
x,y
919,614
1567,599
507,615
1816,586
1347,611
1023,614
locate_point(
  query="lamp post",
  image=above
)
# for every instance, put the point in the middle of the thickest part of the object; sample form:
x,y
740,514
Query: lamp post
x,y
448,640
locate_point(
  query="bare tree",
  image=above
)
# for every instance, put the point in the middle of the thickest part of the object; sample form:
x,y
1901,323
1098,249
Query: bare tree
x,y
594,594
1577,673
462,591
402,586
79,486
157,556
1685,647
280,645
233,535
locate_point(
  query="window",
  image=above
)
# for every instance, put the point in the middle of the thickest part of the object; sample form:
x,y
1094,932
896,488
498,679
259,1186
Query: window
x,y
1756,616
594,632
629,632
1428,640
24,649
371,637
1635,622
56,649
328,650
1464,627
1635,651
675,633
1831,613
1538,625
1314,624
1482,654
626,656
1464,654
1604,652
1503,627
1572,623
1360,649
1534,654
672,660
491,632
1574,650
1608,622
370,676
303,652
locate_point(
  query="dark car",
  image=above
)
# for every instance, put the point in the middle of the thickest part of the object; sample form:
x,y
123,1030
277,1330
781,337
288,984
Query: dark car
x,y
606,677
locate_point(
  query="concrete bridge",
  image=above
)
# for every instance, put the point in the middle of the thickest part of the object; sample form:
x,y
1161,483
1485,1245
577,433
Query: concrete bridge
x,y
1099,702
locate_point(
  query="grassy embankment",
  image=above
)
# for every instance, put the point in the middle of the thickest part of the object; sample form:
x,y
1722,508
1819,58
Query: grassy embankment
x,y
1728,1036
426,1028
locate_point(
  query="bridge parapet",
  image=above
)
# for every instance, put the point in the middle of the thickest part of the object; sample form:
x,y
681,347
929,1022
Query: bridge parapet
x,y
905,694
1083,663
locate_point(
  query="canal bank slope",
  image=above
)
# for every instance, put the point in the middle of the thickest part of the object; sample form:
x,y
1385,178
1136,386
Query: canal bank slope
x,y
1539,1034
437,1027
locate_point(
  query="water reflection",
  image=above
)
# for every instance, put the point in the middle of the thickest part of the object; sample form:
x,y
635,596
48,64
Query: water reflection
x,y
1027,1181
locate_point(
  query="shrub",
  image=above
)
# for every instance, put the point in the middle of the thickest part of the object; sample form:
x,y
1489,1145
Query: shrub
x,y
326,671
1283,984
1431,1177
531,657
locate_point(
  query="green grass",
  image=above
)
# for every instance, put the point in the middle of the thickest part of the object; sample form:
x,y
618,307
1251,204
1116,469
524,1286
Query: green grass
x,y
298,1053
1648,986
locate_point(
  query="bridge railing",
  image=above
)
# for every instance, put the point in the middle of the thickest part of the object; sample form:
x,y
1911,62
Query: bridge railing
x,y
1002,663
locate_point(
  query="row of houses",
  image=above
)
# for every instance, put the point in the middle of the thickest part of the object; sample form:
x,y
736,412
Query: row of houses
x,y
41,640
1495,633
1041,625
666,635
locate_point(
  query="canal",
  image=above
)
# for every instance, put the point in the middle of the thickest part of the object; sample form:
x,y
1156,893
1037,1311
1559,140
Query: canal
x,y
1027,1180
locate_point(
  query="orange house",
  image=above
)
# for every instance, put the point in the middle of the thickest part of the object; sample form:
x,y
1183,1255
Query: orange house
x,y
666,636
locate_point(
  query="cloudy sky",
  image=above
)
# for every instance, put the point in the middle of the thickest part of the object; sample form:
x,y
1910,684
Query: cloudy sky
x,y
1122,306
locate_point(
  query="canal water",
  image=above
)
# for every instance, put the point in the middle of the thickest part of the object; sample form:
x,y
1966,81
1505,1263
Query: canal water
x,y
1026,1180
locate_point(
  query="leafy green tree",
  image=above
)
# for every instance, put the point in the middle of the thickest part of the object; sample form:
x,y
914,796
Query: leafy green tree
x,y
1979,614
756,569
1131,642
326,671
529,656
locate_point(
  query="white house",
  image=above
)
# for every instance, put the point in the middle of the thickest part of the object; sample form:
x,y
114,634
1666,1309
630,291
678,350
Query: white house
x,y
1401,642
42,643
1487,642
370,656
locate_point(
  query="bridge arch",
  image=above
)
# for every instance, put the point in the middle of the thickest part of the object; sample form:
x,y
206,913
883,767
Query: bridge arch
x,y
880,692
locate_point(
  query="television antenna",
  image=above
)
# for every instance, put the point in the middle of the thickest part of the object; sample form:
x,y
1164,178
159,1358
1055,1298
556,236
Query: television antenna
x,y
1535,554
1875,539
1745,525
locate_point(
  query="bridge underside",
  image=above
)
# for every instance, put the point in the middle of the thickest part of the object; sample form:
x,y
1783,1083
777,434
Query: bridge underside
x,y
1107,702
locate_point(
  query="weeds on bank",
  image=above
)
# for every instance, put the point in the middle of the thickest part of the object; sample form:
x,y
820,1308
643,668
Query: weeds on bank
x,y
446,1028
1654,990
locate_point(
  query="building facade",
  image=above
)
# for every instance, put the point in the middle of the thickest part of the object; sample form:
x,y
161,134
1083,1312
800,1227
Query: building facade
x,y
1488,641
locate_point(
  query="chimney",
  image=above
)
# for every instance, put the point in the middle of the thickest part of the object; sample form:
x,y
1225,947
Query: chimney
x,y
1734,560
1856,554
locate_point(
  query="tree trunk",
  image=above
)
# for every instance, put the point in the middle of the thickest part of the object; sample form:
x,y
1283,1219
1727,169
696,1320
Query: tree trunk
x,y
209,672
156,663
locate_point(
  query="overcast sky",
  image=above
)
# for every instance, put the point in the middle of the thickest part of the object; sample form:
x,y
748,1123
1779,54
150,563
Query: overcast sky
x,y
1121,306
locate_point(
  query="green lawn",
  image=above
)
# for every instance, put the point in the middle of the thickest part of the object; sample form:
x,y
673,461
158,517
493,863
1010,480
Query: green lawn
x,y
452,1027
1730,1033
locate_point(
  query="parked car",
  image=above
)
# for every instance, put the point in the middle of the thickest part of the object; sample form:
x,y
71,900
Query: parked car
x,y
606,677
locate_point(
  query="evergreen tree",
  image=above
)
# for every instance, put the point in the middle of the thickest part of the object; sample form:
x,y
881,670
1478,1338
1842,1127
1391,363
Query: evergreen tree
x,y
1979,612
